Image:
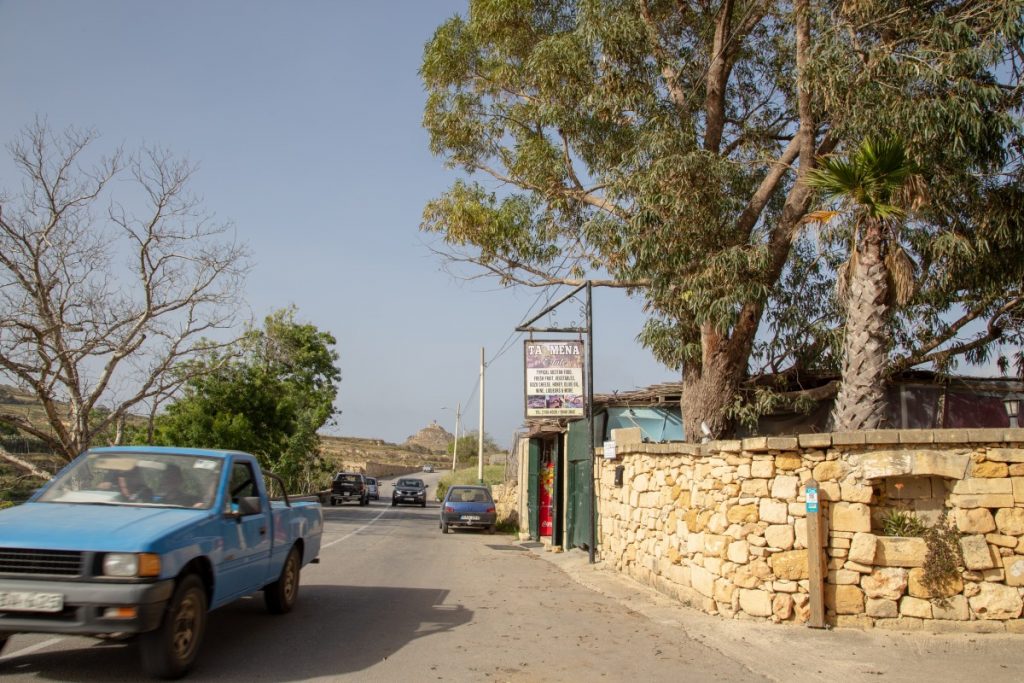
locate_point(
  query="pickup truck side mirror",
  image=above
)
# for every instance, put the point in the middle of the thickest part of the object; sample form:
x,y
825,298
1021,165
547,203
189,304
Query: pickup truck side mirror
x,y
247,505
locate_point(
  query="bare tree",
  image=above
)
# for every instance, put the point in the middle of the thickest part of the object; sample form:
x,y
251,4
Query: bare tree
x,y
102,303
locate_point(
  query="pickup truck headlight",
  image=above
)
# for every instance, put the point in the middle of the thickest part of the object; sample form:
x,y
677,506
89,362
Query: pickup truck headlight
x,y
131,565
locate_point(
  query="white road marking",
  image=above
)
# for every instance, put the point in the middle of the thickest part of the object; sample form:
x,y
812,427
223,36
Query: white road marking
x,y
353,533
31,648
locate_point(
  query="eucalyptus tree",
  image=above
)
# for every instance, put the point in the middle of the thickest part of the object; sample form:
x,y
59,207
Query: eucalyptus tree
x,y
659,146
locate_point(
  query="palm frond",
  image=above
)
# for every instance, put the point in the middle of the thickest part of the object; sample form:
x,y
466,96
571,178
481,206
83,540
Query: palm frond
x,y
900,268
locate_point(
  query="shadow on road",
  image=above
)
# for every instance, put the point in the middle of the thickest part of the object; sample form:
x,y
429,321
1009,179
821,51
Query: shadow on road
x,y
333,630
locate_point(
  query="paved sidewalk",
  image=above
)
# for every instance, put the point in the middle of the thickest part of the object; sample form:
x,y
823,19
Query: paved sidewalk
x,y
797,653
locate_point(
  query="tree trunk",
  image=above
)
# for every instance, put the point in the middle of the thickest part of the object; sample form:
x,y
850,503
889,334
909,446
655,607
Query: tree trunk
x,y
861,403
709,388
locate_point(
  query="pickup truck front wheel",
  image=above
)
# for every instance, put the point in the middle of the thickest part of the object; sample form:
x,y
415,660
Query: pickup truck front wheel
x,y
169,651
281,595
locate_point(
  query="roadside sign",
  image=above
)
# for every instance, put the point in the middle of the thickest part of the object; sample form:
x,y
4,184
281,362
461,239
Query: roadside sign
x,y
812,499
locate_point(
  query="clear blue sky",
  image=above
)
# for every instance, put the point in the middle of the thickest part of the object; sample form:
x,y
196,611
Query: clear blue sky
x,y
304,118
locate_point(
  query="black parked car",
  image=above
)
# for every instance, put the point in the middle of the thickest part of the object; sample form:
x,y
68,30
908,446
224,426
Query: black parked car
x,y
409,491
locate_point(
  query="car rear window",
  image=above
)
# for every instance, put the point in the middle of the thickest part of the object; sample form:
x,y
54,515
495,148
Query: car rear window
x,y
467,495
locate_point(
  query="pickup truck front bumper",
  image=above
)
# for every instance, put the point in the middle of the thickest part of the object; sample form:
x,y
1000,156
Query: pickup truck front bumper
x,y
86,605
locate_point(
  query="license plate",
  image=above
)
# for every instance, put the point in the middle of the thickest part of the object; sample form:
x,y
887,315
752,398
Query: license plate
x,y
24,601
471,518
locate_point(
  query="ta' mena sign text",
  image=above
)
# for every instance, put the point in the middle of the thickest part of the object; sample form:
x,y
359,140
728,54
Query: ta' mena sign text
x,y
554,378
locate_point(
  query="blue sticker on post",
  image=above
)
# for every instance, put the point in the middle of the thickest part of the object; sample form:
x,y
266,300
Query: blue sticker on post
x,y
812,499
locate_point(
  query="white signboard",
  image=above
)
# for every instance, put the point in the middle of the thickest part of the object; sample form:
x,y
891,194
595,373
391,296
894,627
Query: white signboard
x,y
554,378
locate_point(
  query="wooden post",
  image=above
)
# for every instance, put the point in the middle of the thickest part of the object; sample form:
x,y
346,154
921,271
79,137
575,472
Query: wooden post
x,y
815,557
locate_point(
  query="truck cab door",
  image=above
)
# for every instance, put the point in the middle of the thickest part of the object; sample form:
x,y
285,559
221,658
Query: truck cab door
x,y
247,534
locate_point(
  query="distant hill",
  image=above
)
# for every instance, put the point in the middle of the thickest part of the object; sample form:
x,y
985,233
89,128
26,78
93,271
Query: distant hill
x,y
434,438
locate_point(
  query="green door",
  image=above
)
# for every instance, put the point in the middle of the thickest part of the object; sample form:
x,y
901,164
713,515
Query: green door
x,y
580,485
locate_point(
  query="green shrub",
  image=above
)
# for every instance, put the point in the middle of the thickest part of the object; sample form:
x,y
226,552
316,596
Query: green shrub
x,y
902,523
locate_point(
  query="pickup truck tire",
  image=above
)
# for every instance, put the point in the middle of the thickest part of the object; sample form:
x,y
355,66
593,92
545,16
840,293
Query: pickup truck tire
x,y
281,595
169,651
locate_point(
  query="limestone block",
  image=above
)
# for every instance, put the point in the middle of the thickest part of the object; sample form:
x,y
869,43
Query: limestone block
x,y
757,603
738,552
995,601
724,590
757,488
785,586
990,469
715,545
714,565
801,607
784,487
1006,454
788,462
1013,566
762,468
829,490
797,509
718,523
976,521
790,565
915,607
1002,541
862,547
880,464
849,517
858,567
695,543
842,577
1017,469
779,536
982,500
897,551
755,540
941,464
782,443
741,514
953,609
1017,484
782,606
815,440
881,609
855,493
1010,521
745,578
703,581
830,470
772,511
983,486
917,589
800,530
697,520
889,583
977,554
841,542
844,599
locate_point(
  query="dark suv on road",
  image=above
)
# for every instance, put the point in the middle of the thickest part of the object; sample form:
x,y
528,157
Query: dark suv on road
x,y
412,491
349,487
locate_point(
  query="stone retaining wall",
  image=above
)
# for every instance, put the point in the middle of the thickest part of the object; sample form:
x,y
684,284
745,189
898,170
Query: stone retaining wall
x,y
722,526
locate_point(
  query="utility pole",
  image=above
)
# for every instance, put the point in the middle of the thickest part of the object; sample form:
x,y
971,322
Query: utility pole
x,y
455,446
480,435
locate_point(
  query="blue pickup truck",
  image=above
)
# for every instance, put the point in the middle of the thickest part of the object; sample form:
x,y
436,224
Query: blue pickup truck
x,y
144,540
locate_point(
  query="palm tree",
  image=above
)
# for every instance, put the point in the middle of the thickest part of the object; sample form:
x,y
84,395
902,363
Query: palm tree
x,y
876,183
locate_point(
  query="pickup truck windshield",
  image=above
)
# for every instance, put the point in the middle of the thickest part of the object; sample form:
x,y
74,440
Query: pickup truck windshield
x,y
152,479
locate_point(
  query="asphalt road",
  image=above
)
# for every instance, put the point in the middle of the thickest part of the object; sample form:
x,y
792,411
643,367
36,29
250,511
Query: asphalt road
x,y
394,599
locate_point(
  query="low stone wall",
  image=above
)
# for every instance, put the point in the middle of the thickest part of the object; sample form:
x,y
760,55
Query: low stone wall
x,y
722,526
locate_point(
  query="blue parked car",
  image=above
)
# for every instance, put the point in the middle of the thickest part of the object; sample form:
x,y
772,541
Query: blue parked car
x,y
146,541
468,506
